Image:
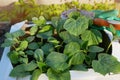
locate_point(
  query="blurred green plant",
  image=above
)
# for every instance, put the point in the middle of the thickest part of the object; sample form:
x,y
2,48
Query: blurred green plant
x,y
22,10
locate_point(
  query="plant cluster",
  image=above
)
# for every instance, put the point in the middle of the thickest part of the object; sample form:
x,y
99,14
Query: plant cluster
x,y
22,10
56,48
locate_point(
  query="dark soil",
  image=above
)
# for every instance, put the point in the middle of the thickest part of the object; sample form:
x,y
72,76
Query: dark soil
x,y
106,42
4,27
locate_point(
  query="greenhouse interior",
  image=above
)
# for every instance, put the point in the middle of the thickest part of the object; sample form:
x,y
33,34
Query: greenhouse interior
x,y
60,39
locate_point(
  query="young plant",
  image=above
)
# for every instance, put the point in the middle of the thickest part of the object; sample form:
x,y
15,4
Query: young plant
x,y
56,48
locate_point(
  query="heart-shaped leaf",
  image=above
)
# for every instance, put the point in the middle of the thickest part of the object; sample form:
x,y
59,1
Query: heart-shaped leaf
x,y
106,64
39,21
76,59
76,27
57,63
71,48
67,37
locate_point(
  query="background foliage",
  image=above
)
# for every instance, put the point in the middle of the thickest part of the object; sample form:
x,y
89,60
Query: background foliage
x,y
26,10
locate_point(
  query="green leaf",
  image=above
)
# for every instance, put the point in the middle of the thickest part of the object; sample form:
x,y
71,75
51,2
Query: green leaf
x,y
45,35
76,27
92,55
60,24
39,21
69,37
23,45
77,58
8,43
36,74
106,64
33,46
13,56
23,60
39,55
88,60
53,40
30,66
45,28
79,68
99,68
74,15
47,48
41,65
29,52
57,61
92,36
30,38
112,29
54,21
84,45
45,32
21,53
8,35
18,33
33,30
19,71
71,48
15,34
94,49
52,75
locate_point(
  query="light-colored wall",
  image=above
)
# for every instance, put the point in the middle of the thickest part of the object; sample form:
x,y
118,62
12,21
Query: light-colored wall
x,y
7,2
